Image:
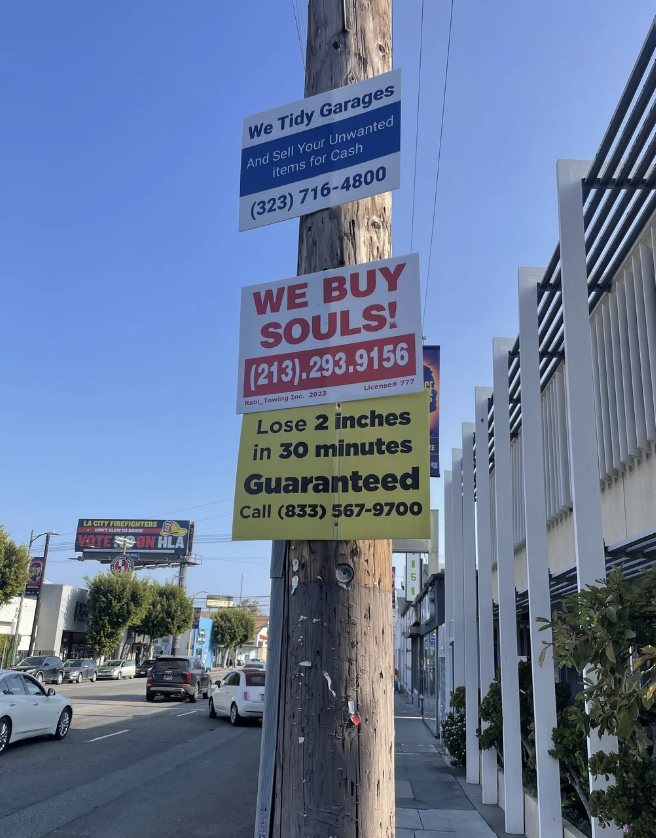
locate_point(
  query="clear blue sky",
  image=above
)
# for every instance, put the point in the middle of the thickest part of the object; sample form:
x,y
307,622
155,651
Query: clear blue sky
x,y
120,260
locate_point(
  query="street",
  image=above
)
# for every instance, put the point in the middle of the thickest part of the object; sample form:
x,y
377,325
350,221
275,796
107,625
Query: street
x,y
132,768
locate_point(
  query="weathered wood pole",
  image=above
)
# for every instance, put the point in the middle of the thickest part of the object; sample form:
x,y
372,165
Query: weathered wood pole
x,y
334,773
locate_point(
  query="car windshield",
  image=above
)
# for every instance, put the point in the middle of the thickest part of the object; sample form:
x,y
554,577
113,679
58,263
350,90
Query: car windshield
x,y
112,663
73,664
148,663
33,662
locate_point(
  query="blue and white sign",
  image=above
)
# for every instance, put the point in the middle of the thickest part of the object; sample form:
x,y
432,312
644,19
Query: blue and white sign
x,y
336,147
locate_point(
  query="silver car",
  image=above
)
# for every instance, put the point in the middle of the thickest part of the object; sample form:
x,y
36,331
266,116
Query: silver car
x,y
117,669
81,669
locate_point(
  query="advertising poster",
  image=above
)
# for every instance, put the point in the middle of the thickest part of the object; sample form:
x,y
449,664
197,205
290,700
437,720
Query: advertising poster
x,y
332,336
36,572
432,385
412,576
196,620
338,146
331,472
102,535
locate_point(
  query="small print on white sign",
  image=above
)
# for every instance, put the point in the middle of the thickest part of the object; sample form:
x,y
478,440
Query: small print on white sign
x,y
334,336
332,148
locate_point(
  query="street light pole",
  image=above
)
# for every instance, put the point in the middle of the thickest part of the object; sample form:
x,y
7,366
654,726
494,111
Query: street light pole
x,y
37,610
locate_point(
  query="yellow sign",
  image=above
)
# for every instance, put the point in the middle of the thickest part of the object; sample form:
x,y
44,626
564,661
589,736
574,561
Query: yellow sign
x,y
335,471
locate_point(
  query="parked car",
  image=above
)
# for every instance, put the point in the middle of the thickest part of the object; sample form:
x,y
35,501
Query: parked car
x,y
184,677
255,664
81,669
27,709
117,669
44,668
240,695
144,667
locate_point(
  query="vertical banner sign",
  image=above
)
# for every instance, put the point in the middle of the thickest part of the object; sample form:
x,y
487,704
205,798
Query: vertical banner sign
x,y
335,472
412,575
332,336
432,385
34,580
196,622
330,149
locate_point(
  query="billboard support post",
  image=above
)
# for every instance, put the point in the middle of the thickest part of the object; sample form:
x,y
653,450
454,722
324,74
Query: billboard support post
x,y
337,639
182,583
37,610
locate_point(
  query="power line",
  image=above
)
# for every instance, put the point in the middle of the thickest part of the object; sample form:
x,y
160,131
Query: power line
x,y
414,183
439,157
298,32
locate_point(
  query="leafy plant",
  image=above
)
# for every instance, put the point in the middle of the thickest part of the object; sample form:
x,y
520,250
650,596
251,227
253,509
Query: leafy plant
x,y
169,611
454,734
115,602
14,567
607,633
232,627
569,742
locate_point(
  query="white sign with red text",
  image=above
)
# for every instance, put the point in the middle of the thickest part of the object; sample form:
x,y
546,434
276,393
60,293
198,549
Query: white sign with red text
x,y
334,336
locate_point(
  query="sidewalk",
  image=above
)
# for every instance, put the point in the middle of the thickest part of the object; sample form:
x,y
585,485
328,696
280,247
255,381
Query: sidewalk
x,y
432,800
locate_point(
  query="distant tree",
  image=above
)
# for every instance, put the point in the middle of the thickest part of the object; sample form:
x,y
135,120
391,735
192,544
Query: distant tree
x,y
232,627
14,567
169,611
251,606
115,602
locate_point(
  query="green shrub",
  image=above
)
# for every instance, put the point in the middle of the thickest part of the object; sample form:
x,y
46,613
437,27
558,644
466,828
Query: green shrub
x,y
454,734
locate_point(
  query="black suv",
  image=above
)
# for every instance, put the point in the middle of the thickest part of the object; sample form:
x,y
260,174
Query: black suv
x,y
184,677
44,669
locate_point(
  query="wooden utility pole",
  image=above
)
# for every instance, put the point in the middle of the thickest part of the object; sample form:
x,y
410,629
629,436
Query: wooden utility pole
x,y
334,768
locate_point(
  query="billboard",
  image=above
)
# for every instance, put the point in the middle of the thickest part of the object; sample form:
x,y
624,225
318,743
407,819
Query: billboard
x,y
220,601
36,573
329,149
331,336
331,472
143,538
432,385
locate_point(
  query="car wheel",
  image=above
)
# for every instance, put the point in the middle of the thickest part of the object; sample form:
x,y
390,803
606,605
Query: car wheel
x,y
118,677
194,696
206,691
150,697
5,733
60,677
39,677
64,724
235,718
212,709
79,678
94,677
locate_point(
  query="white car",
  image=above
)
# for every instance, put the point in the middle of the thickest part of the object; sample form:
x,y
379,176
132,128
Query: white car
x,y
240,695
256,663
28,709
117,669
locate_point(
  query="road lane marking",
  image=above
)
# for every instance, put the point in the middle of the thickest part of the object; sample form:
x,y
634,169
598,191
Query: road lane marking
x,y
188,713
107,735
